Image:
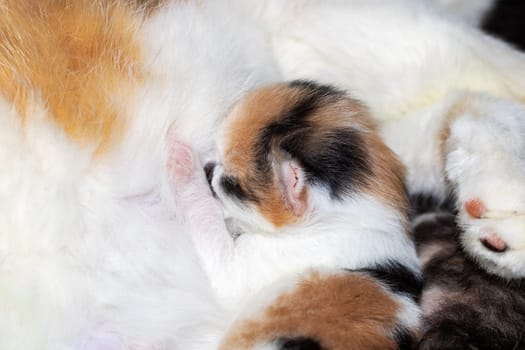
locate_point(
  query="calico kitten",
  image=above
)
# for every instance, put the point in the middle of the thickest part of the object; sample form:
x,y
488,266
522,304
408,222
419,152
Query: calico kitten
x,y
452,108
324,258
91,255
464,307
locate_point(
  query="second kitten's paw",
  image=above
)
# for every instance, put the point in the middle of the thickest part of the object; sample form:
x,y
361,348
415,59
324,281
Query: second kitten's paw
x,y
486,168
494,237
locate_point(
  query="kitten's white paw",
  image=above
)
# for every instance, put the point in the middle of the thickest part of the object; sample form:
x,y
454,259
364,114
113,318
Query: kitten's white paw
x,y
485,163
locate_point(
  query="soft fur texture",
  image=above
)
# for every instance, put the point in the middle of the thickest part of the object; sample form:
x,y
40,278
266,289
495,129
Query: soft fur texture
x,y
471,11
92,256
322,249
93,249
463,306
450,107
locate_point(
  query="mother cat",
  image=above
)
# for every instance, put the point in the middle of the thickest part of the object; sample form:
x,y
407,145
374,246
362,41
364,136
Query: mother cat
x,y
91,253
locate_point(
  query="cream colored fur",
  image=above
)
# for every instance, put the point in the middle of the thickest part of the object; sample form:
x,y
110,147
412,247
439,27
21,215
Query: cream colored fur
x,y
92,254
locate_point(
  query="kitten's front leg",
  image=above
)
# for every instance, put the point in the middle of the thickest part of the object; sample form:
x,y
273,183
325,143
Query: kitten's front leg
x,y
199,211
484,154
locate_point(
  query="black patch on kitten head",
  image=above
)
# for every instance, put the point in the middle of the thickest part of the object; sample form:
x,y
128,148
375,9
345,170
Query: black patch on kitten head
x,y
334,157
232,188
299,343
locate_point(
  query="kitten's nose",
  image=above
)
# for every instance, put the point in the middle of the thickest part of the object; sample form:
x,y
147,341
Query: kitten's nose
x,y
208,170
494,243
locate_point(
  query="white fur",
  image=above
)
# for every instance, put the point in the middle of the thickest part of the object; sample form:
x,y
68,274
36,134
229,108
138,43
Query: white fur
x,y
472,11
411,65
91,251
486,162
359,232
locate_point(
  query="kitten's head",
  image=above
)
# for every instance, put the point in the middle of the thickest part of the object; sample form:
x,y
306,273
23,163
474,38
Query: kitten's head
x,y
291,151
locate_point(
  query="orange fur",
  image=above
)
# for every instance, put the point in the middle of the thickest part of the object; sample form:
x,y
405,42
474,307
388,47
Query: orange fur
x,y
261,108
343,312
245,125
387,184
78,57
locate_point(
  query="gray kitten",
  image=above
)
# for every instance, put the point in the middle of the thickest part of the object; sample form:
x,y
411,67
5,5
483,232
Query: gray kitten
x,y
463,306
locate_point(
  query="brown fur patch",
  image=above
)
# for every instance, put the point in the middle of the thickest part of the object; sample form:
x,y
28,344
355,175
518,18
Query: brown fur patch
x,y
246,122
388,170
267,105
79,58
388,180
347,312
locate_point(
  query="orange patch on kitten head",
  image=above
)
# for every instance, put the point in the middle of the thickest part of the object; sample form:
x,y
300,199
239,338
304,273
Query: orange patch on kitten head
x,y
244,127
348,311
330,136
79,58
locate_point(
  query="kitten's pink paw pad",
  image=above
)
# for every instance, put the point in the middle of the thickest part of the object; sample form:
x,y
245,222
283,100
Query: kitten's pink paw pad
x,y
475,208
493,242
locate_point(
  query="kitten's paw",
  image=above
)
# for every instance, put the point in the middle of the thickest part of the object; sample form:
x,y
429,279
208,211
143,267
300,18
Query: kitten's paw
x,y
494,234
485,165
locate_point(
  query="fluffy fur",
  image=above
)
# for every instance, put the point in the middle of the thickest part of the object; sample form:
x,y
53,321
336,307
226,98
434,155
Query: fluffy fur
x,y
312,192
92,249
464,307
455,118
471,11
91,253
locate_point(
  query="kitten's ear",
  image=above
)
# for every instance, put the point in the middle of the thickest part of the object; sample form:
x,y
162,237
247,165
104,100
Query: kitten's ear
x,y
293,183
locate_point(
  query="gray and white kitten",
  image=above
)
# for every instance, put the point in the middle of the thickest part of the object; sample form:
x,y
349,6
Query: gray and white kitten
x,y
464,307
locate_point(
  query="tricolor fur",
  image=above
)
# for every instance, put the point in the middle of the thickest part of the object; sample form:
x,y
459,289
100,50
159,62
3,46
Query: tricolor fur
x,y
451,108
93,251
319,209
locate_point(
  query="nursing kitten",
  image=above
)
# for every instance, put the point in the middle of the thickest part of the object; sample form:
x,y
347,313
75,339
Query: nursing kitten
x,y
324,257
451,107
463,306
92,254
